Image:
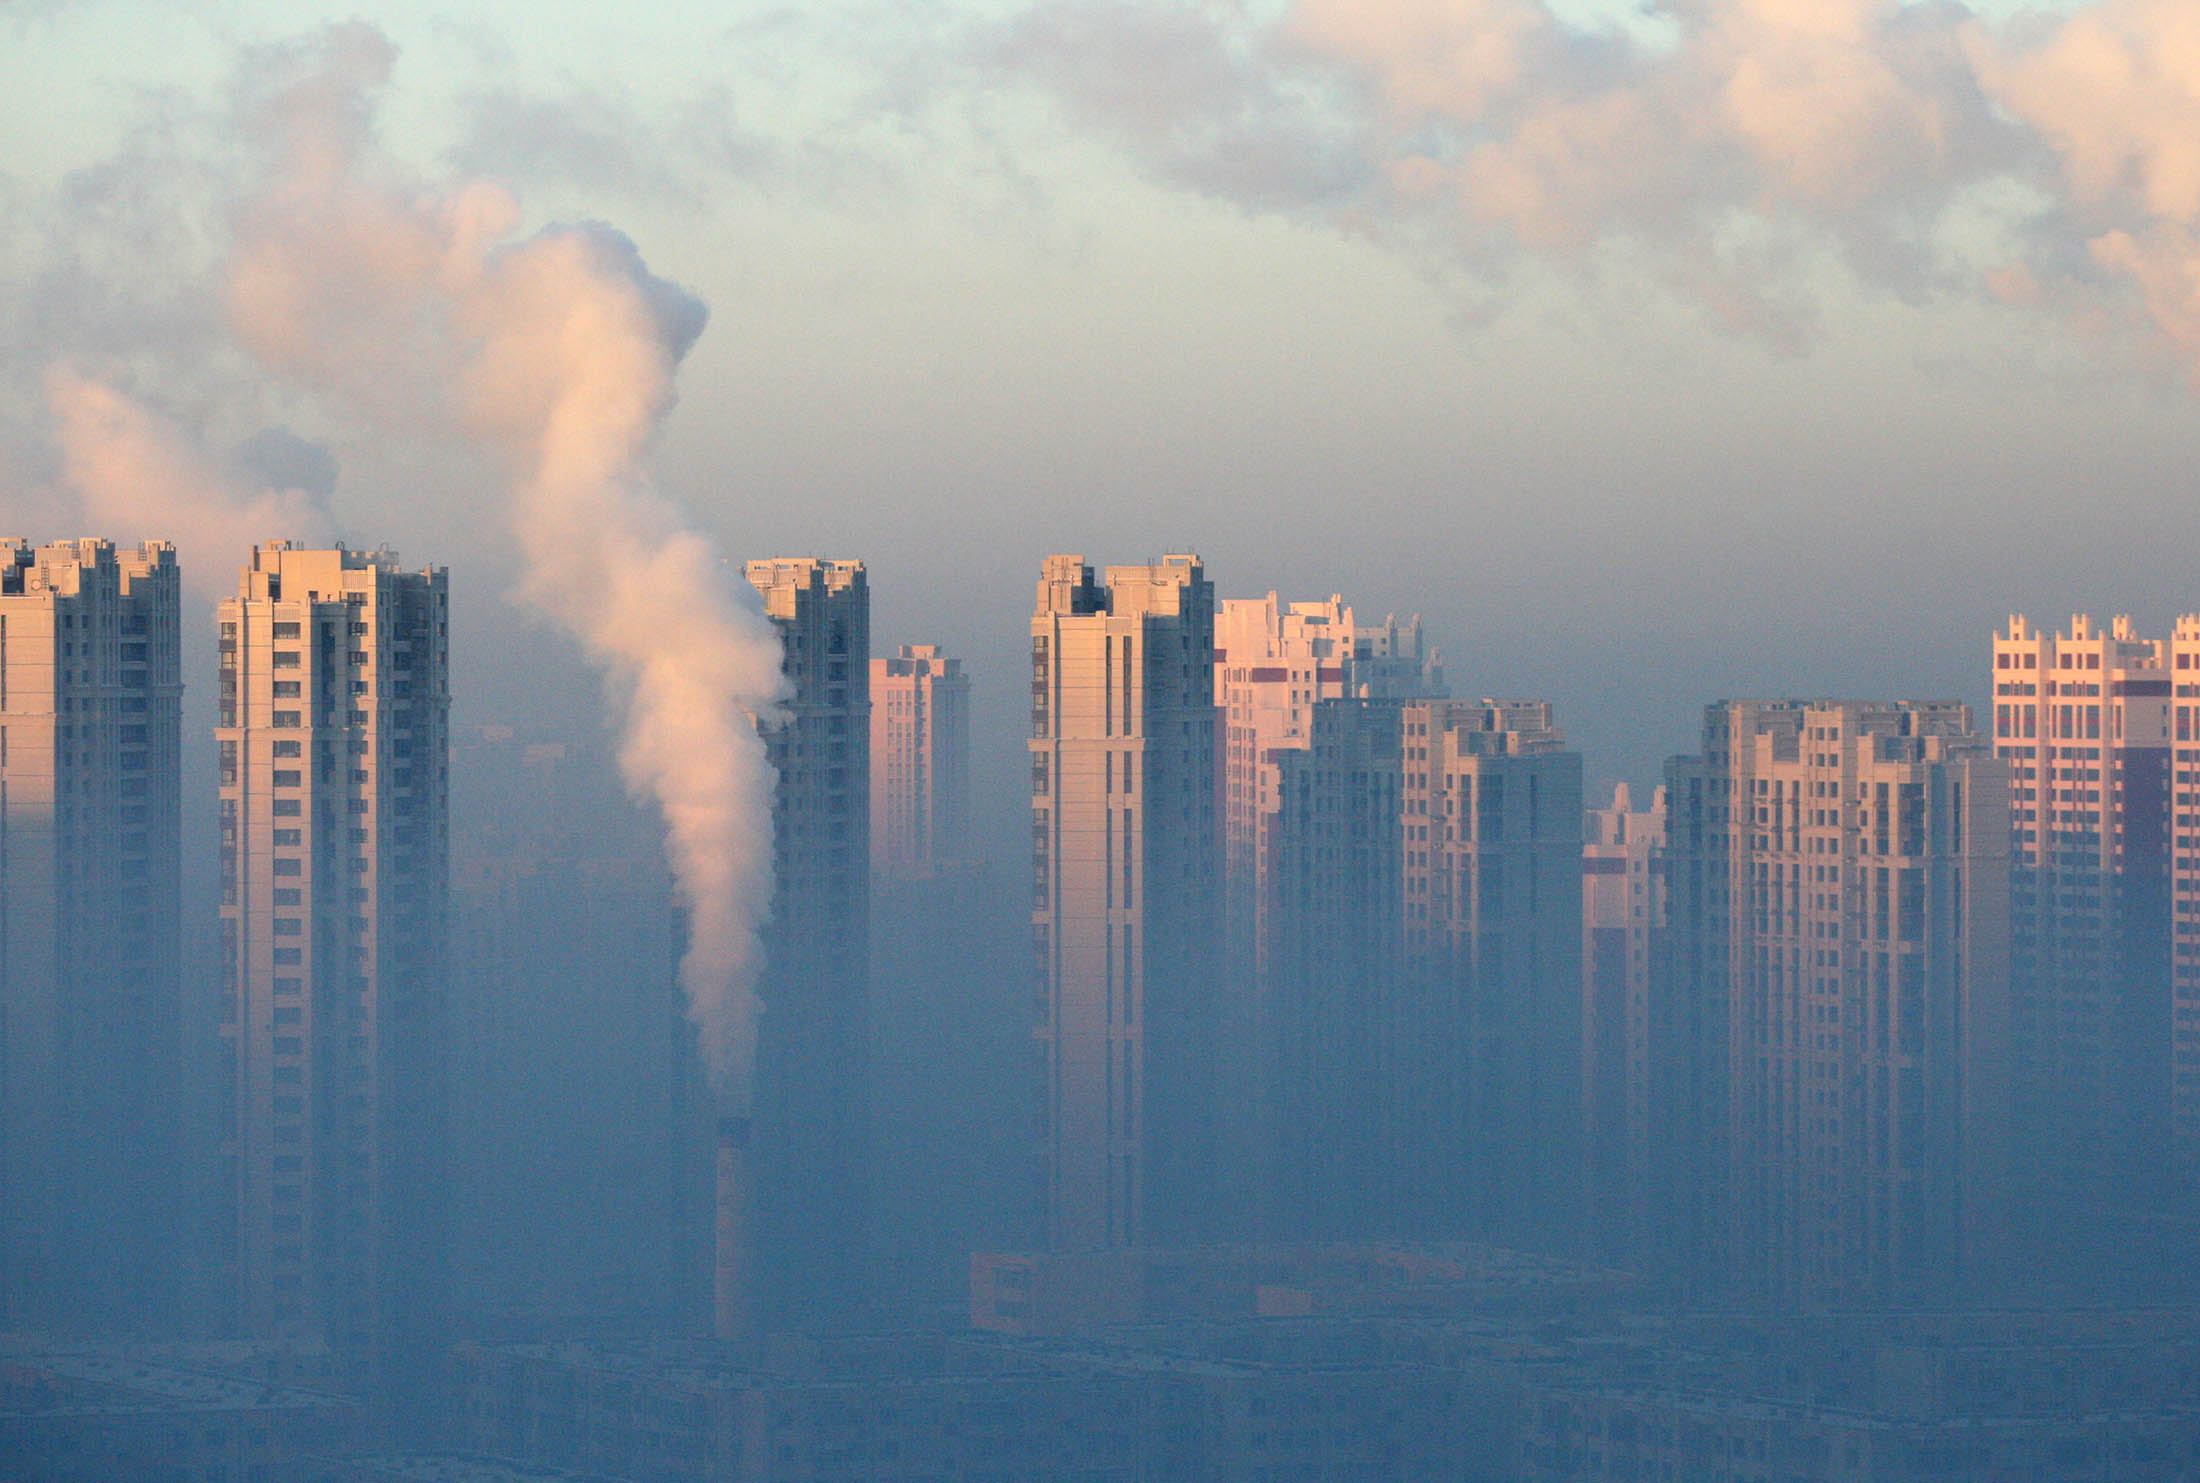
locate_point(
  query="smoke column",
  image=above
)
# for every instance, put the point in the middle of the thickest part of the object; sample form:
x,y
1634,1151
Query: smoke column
x,y
137,475
558,353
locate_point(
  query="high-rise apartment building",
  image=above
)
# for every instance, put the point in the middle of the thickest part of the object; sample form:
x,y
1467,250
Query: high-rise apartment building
x,y
90,1022
920,762
2182,1046
1855,946
1125,914
1274,663
2082,718
1422,1050
1491,812
1337,1156
1622,907
333,745
812,1078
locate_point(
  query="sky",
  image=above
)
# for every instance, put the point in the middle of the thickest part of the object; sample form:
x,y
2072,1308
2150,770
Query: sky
x,y
1654,355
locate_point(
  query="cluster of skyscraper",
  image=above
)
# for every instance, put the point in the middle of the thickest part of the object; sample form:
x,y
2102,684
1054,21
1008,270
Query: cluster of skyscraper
x,y
1857,1012
1864,1009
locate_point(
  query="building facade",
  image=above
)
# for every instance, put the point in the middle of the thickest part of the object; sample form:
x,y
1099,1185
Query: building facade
x,y
1491,817
1622,908
1126,916
2082,719
1422,1047
812,1067
1275,663
2183,1043
333,746
920,763
1857,948
90,992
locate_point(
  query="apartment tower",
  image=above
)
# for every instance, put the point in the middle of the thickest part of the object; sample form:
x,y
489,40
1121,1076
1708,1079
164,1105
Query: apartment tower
x,y
333,748
1274,663
2183,1043
1490,807
1857,946
920,763
812,1069
1423,1038
90,1017
1125,915
1622,907
2083,720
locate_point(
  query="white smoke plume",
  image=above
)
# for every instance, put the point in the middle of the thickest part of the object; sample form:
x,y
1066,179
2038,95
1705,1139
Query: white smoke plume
x,y
138,475
559,352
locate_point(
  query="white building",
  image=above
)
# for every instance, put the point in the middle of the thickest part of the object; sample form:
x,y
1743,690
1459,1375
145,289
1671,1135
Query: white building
x,y
333,743
1840,913
90,1019
2082,718
1125,913
920,762
1622,906
812,1065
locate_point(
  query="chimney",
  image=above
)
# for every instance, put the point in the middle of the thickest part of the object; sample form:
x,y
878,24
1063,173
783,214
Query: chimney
x,y
731,1299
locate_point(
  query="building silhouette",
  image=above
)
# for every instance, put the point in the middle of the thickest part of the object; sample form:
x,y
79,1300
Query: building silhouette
x,y
920,762
1840,890
333,749
812,1073
1622,910
1275,663
2083,720
1423,1040
1125,918
90,991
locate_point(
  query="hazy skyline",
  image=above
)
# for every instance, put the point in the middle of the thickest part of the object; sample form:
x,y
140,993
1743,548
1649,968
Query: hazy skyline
x,y
995,281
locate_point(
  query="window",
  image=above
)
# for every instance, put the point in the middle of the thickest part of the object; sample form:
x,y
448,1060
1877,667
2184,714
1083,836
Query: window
x,y
282,631
286,777
286,658
286,719
289,749
286,690
289,867
288,808
287,896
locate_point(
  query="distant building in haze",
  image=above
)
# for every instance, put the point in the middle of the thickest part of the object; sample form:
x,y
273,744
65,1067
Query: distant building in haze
x,y
1274,663
812,1071
1622,907
333,741
920,762
90,996
1126,918
1422,1047
1837,1084
2082,719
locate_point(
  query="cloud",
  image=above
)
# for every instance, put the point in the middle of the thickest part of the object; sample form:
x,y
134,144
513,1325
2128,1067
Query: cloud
x,y
1199,99
1873,125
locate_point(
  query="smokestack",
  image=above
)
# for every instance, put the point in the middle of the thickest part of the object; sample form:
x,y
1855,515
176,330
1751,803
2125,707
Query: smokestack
x,y
731,1299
